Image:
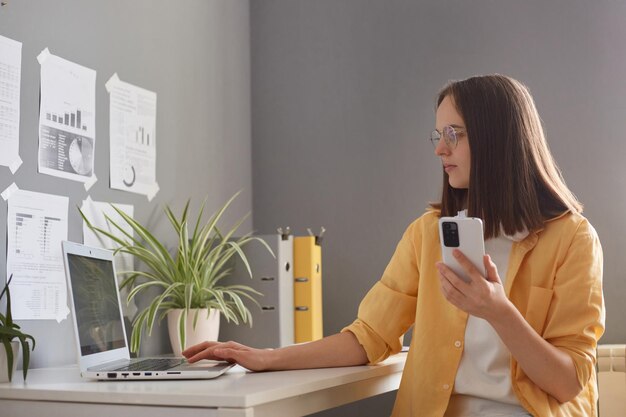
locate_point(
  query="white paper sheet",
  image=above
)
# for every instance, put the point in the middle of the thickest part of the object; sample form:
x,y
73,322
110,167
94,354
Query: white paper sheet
x,y
95,212
10,76
36,225
133,138
67,119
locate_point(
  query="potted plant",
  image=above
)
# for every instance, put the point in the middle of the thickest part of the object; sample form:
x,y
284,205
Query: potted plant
x,y
9,331
190,279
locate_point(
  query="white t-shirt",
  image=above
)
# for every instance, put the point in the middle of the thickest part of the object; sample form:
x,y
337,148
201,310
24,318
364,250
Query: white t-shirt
x,y
482,387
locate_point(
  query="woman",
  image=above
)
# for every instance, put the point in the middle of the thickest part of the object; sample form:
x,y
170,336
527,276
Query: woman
x,y
519,341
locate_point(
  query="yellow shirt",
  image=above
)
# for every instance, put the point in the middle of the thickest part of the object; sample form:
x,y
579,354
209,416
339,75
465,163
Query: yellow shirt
x,y
554,279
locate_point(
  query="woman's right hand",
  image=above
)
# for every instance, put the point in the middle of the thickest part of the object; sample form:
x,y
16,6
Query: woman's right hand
x,y
249,358
342,349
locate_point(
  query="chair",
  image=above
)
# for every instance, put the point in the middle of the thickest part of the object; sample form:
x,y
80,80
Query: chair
x,y
612,380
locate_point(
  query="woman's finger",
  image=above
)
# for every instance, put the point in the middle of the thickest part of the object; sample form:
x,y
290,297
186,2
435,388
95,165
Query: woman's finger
x,y
492,270
451,277
192,350
450,292
468,266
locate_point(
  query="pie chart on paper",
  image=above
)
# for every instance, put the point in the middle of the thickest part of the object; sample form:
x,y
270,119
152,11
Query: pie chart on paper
x,y
79,154
129,176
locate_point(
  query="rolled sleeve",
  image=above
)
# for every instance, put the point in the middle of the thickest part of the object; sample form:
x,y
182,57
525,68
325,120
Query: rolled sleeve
x,y
388,309
384,316
576,318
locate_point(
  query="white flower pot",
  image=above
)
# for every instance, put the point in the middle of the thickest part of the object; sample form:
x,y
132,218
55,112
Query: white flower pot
x,y
207,328
4,374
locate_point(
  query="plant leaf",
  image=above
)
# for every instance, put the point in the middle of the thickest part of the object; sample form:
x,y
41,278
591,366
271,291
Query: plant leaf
x,y
155,305
138,327
142,287
25,356
9,351
9,316
182,321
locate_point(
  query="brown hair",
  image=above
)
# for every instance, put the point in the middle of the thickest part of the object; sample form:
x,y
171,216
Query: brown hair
x,y
514,181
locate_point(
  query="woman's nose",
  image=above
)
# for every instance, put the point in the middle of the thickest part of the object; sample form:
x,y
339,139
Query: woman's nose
x,y
442,148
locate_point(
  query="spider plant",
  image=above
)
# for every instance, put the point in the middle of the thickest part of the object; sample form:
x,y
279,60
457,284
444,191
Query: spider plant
x,y
190,278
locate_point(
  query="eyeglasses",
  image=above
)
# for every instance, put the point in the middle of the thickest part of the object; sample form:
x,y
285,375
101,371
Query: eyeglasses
x,y
450,135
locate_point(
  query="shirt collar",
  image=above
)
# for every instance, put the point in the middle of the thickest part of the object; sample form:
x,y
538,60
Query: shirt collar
x,y
516,237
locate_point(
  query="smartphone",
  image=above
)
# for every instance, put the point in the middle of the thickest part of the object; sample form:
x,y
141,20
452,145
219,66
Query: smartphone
x,y
465,234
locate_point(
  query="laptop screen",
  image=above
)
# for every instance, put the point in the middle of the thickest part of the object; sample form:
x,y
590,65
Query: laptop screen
x,y
96,304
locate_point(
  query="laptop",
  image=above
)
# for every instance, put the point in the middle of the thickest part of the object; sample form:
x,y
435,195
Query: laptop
x,y
99,331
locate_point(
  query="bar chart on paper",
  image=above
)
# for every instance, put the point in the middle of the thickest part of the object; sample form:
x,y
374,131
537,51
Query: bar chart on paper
x,y
49,237
36,225
23,221
37,237
73,119
67,119
132,126
142,137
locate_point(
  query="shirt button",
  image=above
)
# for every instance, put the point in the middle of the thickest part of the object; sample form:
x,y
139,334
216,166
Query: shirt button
x,y
457,344
446,386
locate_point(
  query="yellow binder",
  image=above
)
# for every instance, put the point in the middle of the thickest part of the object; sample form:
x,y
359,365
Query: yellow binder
x,y
307,288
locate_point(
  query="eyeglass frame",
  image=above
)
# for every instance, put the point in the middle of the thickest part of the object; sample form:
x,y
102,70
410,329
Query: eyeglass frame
x,y
450,134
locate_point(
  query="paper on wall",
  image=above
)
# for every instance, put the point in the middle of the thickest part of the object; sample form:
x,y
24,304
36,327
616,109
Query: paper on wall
x,y
67,119
10,78
96,211
36,225
132,127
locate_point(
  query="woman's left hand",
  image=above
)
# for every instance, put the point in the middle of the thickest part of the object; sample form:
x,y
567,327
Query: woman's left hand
x,y
482,297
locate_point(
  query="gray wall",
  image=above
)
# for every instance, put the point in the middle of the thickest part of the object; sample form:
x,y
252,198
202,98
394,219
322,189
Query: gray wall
x,y
195,55
342,106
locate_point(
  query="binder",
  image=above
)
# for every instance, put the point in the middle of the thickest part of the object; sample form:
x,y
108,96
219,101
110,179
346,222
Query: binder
x,y
307,270
272,324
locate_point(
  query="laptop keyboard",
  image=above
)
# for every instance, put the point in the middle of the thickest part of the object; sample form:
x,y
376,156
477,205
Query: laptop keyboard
x,y
151,365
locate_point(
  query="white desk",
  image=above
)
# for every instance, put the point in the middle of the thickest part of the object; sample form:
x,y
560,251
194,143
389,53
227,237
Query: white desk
x,y
60,392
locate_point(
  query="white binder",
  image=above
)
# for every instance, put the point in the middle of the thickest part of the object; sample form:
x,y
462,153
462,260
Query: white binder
x,y
272,324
